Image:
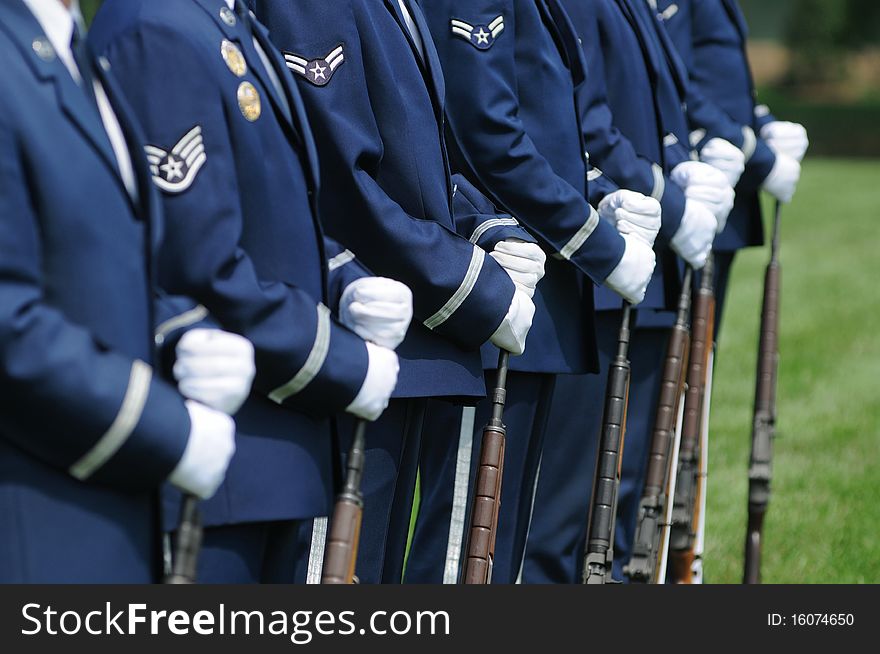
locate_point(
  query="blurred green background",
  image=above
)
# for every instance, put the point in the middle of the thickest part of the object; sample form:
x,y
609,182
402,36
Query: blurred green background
x,y
815,62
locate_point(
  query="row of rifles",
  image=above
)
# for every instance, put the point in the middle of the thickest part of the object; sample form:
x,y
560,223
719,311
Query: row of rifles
x,y
669,537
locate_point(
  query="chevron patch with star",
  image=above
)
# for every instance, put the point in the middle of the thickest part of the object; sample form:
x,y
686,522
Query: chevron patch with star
x,y
175,170
482,37
317,71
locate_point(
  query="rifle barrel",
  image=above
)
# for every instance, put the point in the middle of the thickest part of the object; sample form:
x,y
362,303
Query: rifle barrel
x,y
650,527
340,555
764,418
599,551
483,527
187,543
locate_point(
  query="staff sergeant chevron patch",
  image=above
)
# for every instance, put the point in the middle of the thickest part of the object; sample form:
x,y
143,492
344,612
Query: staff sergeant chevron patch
x,y
482,37
174,171
317,71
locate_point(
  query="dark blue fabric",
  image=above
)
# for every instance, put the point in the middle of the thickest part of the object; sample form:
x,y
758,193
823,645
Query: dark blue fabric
x,y
76,310
525,415
244,240
554,553
387,190
255,553
710,36
516,130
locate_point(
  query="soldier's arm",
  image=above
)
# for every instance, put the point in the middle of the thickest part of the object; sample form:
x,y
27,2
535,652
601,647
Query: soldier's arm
x,y
305,358
478,220
66,397
458,291
483,109
609,148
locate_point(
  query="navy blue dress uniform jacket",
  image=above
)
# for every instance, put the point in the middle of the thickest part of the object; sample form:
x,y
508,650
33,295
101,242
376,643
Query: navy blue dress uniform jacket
x,y
88,431
636,129
378,115
512,71
710,36
243,238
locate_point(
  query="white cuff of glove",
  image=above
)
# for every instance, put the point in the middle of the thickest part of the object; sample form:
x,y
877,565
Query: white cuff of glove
x,y
632,213
694,238
215,368
378,385
726,157
707,185
783,179
208,452
377,309
523,261
514,329
632,275
786,138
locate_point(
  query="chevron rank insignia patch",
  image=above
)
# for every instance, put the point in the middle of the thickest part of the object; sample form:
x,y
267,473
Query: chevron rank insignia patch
x,y
175,170
317,71
482,37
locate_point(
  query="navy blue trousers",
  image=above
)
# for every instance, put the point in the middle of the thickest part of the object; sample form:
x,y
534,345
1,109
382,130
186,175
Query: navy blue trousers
x,y
253,553
555,549
450,454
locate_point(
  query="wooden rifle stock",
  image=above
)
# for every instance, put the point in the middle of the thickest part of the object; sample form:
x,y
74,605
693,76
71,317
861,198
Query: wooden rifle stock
x,y
645,565
483,526
340,554
690,482
764,419
187,543
599,551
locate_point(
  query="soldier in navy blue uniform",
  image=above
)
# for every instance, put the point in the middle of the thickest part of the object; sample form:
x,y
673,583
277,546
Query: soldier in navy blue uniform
x,y
88,429
231,150
711,37
512,71
651,154
374,90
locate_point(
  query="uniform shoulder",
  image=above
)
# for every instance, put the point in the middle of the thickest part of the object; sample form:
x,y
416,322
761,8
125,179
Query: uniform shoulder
x,y
119,19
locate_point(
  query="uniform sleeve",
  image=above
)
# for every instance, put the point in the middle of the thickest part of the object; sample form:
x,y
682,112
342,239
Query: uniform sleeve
x,y
483,108
609,148
458,291
343,267
304,358
65,397
477,219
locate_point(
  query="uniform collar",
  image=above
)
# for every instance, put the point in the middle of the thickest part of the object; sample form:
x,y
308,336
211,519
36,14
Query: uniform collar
x,y
57,22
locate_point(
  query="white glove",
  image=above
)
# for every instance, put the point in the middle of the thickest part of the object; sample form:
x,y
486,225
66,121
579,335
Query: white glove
x,y
783,179
378,385
208,451
694,238
632,213
511,334
523,261
215,368
377,309
786,138
632,275
707,185
726,157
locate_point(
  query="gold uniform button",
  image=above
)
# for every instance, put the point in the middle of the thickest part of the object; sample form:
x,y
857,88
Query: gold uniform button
x,y
249,101
233,58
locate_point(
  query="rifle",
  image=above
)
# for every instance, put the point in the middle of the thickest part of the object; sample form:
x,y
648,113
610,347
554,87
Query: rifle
x,y
764,422
648,562
690,482
187,543
599,551
483,526
340,554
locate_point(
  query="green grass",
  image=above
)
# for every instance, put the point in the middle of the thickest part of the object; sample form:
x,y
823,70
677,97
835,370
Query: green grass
x,y
825,507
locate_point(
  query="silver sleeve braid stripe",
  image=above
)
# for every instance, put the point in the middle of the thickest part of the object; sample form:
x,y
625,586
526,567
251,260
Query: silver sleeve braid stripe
x,y
313,363
458,298
581,236
123,425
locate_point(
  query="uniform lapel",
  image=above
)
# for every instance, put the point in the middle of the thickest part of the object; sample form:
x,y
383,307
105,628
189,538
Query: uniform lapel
x,y
233,30
679,72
